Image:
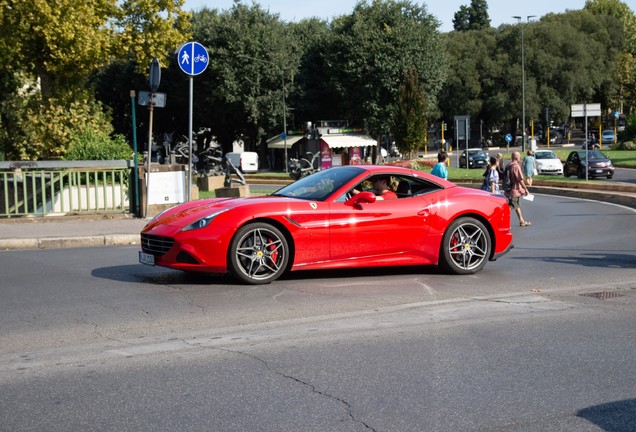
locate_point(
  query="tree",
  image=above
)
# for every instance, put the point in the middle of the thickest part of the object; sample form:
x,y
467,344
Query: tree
x,y
315,96
474,17
484,81
571,58
626,59
51,50
372,48
252,52
411,116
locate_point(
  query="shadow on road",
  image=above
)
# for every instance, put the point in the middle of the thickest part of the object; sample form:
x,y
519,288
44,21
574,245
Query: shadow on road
x,y
592,259
617,416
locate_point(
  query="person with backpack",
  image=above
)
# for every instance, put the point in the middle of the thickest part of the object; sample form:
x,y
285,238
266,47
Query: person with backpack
x,y
514,187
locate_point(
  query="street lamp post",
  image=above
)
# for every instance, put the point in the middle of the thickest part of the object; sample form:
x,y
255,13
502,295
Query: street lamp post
x,y
523,83
282,77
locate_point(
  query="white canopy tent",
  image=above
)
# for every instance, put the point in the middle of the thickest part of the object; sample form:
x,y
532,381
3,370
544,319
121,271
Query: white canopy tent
x,y
346,141
278,143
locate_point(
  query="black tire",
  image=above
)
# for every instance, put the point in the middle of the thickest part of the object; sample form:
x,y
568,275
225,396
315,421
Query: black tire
x,y
258,254
581,173
466,246
609,177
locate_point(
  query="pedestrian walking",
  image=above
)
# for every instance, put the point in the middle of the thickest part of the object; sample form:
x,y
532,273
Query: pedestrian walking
x,y
514,187
529,167
491,177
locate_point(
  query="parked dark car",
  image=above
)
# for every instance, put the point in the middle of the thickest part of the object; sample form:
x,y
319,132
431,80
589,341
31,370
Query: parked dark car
x,y
477,158
598,164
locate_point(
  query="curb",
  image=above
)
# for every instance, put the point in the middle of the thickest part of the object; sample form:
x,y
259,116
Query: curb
x,y
70,242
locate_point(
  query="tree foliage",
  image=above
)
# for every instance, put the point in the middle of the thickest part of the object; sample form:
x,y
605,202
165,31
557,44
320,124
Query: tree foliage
x,y
73,63
372,48
473,17
411,116
50,50
252,52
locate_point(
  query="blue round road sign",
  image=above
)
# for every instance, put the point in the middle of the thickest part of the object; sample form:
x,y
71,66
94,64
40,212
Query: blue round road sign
x,y
193,58
509,138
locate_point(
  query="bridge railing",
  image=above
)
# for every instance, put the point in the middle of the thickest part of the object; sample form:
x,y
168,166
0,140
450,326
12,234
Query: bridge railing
x,y
43,188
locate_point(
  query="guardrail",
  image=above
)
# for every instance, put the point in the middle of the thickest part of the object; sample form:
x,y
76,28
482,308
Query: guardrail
x,y
44,188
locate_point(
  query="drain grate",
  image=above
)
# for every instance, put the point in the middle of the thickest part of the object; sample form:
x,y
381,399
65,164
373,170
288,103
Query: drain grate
x,y
604,295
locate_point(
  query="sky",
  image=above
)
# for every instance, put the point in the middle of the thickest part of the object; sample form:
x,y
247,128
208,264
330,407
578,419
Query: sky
x,y
500,11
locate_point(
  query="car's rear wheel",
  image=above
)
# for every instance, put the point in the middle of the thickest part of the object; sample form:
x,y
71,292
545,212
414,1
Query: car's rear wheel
x,y
465,247
258,253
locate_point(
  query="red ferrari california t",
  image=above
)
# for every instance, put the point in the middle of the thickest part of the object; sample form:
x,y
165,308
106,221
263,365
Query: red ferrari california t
x,y
331,220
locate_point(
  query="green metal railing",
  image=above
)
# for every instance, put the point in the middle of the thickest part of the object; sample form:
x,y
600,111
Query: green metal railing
x,y
54,187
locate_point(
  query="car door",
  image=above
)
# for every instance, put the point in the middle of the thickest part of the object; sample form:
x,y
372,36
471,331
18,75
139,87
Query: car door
x,y
380,231
572,164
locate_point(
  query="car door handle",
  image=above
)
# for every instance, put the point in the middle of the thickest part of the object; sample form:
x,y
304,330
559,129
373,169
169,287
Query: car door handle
x,y
425,212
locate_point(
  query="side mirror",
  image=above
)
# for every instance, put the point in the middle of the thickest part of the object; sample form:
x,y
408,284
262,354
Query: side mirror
x,y
361,198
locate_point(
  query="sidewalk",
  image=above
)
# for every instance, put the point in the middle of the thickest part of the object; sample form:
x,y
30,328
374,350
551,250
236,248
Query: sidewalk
x,y
69,231
123,229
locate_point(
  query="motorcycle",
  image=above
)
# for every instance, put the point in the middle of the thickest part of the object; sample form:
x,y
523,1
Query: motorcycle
x,y
299,168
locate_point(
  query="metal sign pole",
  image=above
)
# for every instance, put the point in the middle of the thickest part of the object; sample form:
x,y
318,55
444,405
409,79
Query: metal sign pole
x,y
192,58
149,158
189,185
134,133
587,146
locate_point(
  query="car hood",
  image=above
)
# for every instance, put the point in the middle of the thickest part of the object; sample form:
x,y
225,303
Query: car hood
x,y
549,162
184,214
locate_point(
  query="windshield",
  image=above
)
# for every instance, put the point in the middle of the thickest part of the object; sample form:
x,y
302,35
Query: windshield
x,y
592,154
319,186
545,155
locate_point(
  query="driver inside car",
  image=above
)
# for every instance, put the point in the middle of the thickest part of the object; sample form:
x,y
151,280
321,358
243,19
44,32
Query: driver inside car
x,y
380,188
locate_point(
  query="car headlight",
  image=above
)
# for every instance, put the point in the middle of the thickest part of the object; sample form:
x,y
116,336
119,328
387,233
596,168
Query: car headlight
x,y
203,222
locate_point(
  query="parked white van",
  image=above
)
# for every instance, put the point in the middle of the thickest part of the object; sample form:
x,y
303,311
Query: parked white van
x,y
247,162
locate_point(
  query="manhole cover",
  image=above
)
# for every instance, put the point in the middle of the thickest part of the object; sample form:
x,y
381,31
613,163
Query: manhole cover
x,y
604,295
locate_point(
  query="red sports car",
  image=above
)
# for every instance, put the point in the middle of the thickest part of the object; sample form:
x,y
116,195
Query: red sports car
x,y
318,222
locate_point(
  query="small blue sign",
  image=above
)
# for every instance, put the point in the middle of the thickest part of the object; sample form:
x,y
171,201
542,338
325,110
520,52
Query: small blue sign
x,y
193,58
616,115
508,138
283,136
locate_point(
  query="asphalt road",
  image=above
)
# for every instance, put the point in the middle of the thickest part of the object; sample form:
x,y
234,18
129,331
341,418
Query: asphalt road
x,y
540,340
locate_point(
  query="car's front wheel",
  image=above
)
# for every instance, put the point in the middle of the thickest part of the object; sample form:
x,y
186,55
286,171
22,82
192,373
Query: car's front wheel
x,y
581,173
465,247
258,253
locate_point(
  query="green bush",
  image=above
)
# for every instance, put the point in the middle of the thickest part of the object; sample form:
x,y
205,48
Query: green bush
x,y
89,144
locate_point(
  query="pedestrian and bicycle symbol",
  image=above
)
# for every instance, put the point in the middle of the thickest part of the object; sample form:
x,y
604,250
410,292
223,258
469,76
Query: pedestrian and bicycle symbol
x,y
193,58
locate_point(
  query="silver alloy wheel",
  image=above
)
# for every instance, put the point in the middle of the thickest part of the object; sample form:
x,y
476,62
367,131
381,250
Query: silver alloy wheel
x,y
466,246
259,253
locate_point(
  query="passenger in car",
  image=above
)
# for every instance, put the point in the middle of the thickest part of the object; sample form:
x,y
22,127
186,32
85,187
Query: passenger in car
x,y
380,188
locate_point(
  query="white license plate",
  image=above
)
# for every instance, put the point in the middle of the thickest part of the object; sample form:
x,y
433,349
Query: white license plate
x,y
146,258
599,171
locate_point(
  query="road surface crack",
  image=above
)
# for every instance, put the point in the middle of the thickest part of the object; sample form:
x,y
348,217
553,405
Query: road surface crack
x,y
347,405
